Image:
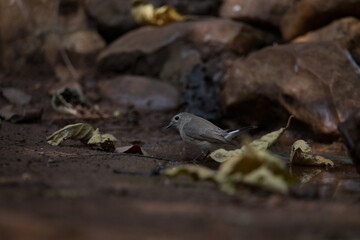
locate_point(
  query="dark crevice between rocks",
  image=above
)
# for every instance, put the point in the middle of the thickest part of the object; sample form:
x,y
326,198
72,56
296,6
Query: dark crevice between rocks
x,y
192,7
113,32
68,7
262,25
321,20
200,95
350,130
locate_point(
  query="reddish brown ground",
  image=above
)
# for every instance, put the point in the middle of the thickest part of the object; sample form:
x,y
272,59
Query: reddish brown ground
x,y
74,192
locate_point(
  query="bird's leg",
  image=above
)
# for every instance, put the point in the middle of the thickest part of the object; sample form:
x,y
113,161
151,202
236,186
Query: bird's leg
x,y
202,154
206,155
198,156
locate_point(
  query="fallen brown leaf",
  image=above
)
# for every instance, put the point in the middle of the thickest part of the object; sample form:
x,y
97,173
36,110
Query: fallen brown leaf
x,y
133,149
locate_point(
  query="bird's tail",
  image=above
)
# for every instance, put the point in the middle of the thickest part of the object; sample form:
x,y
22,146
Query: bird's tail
x,y
234,133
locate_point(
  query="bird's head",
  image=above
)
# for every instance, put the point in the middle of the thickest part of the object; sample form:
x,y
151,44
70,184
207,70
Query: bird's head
x,y
178,119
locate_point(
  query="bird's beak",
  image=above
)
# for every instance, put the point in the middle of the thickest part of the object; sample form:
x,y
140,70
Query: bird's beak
x,y
170,125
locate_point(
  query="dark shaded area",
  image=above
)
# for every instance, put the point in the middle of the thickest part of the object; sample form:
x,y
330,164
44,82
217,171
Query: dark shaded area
x,y
350,130
200,95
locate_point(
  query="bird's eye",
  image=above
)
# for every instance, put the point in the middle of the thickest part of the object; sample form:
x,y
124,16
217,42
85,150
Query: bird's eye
x,y
176,118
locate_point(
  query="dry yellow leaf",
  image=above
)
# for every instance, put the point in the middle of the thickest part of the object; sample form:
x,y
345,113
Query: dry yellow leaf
x,y
194,171
266,179
222,155
144,13
257,168
78,131
300,154
167,14
243,169
86,134
104,142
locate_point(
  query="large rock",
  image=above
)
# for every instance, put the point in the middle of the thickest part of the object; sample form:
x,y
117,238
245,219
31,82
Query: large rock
x,y
313,81
21,26
308,15
345,31
81,48
145,51
40,32
112,17
142,93
260,12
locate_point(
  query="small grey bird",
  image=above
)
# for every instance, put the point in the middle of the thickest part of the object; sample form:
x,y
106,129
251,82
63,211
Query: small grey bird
x,y
203,134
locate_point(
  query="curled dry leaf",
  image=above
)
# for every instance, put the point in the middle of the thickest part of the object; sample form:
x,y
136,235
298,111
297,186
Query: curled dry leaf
x,y
222,155
257,168
300,154
78,131
245,168
266,179
133,149
65,99
144,13
86,134
106,142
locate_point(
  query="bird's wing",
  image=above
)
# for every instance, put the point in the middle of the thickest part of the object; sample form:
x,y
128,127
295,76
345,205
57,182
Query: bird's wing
x,y
207,132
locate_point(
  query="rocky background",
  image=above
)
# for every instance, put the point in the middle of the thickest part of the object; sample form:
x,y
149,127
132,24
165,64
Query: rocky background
x,y
250,61
253,61
234,62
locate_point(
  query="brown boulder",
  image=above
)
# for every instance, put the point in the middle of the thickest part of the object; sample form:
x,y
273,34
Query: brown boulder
x,y
112,17
144,94
308,15
345,31
313,81
81,48
33,32
261,12
145,51
20,28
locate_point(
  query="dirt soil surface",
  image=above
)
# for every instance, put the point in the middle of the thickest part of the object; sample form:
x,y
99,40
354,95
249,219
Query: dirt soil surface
x,y
74,192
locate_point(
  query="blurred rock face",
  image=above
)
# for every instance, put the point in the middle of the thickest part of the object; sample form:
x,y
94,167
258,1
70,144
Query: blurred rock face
x,y
146,50
345,31
38,31
171,53
21,27
307,15
308,80
259,12
204,59
112,17
143,93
